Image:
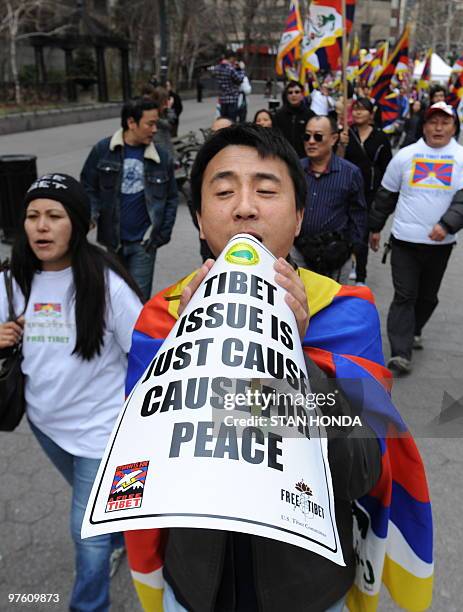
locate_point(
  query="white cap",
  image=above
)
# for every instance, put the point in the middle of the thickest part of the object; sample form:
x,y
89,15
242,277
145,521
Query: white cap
x,y
440,107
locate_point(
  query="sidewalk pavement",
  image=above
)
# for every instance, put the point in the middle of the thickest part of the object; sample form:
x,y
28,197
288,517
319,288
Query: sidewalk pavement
x,y
65,148
35,548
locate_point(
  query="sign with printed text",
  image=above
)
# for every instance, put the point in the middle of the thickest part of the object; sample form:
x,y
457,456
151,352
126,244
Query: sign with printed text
x,y
210,436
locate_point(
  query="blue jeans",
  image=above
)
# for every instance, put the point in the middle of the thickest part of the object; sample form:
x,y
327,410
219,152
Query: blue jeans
x,y
140,264
170,604
91,586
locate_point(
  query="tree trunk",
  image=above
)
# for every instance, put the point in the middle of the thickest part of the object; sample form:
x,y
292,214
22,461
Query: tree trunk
x,y
13,32
192,62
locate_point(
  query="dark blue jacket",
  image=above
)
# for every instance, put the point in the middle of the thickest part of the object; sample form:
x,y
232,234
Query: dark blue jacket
x,y
101,177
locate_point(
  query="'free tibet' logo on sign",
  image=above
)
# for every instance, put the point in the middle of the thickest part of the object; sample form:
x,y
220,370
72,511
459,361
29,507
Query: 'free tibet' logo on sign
x,y
242,254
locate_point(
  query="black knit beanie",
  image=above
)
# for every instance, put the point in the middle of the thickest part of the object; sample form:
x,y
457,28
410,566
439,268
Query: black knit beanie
x,y
66,190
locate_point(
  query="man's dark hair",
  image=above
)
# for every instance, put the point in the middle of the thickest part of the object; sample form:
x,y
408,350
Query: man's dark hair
x,y
435,89
365,103
135,108
267,142
292,84
229,53
332,118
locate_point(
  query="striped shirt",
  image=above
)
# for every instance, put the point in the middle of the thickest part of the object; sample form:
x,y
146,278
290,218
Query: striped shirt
x,y
228,80
335,201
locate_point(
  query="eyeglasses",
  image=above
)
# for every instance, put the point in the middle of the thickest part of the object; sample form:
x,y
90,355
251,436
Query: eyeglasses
x,y
316,137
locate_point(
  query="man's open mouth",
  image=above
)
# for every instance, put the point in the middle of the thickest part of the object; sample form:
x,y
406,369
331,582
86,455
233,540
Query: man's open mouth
x,y
253,234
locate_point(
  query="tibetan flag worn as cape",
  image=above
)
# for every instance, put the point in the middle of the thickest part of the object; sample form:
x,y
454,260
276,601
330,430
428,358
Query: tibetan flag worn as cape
x,y
393,522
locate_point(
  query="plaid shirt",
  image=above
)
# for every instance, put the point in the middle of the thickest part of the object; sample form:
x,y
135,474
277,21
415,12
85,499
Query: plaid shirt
x,y
228,80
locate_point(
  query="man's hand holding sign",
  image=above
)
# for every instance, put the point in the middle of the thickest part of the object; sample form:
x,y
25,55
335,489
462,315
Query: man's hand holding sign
x,y
236,328
286,277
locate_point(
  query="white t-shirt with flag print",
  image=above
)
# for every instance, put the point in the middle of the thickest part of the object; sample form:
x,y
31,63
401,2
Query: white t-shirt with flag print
x,y
73,401
427,179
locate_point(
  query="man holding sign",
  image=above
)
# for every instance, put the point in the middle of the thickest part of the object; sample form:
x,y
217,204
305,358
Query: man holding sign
x,y
247,180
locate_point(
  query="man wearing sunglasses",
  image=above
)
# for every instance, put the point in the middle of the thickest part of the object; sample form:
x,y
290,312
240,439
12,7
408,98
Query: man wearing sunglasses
x,y
335,215
293,116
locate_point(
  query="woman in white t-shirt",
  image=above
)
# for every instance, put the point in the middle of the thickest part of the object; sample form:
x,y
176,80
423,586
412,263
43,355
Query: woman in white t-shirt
x,y
79,308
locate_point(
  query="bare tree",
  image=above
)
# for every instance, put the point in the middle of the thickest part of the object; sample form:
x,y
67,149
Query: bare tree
x,y
19,20
192,36
138,21
440,26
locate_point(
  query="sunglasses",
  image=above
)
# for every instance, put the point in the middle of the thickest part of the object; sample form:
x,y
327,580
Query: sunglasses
x,y
316,137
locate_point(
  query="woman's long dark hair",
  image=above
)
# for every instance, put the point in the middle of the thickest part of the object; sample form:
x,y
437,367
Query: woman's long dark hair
x,y
90,264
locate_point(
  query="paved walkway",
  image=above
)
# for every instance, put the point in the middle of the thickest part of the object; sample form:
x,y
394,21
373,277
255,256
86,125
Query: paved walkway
x,y
35,549
65,148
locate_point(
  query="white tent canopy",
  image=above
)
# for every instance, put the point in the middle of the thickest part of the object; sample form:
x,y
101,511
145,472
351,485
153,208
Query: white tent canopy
x,y
440,71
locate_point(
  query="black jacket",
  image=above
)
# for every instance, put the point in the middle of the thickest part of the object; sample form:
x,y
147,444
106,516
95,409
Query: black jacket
x,y
177,104
218,571
413,129
291,120
371,157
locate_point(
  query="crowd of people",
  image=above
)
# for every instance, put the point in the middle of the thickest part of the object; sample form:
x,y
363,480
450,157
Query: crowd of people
x,y
349,168
316,193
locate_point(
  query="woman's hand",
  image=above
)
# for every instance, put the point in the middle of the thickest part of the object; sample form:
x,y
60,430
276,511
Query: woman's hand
x,y
296,297
11,333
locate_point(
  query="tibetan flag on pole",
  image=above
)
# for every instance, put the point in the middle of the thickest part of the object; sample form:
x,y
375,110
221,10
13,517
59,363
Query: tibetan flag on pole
x,y
423,83
455,90
403,64
381,87
390,112
378,63
289,49
364,70
354,60
322,43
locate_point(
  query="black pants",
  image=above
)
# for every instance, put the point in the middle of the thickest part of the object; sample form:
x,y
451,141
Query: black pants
x,y
230,110
417,271
361,248
361,257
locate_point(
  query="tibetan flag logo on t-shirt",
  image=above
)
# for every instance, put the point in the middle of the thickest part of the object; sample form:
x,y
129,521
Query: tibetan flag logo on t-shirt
x,y
431,174
48,309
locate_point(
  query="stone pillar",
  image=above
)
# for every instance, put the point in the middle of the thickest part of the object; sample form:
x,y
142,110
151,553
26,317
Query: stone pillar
x,y
101,72
125,74
40,70
70,84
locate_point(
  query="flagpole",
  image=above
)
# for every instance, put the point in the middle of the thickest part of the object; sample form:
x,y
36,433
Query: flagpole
x,y
344,65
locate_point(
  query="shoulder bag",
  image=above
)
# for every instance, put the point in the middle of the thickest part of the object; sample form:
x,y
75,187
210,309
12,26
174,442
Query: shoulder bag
x,y
12,403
